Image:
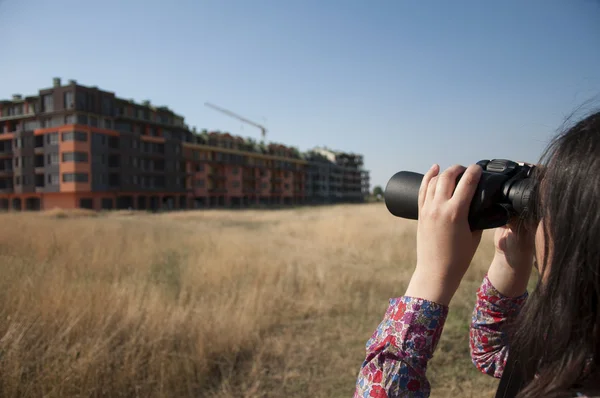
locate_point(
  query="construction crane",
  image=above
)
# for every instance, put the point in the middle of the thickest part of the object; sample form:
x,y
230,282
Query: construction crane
x,y
263,129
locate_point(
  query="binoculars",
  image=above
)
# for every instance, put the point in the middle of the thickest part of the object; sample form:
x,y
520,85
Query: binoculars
x,y
506,189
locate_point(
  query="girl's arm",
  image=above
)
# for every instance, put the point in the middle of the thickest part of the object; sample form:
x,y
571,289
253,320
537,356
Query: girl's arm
x,y
399,349
500,298
488,340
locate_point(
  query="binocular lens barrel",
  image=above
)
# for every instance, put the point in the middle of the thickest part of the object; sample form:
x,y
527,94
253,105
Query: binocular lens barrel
x,y
402,194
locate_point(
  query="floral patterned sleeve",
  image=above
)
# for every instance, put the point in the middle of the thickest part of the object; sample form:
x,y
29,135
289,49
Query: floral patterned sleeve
x,y
399,349
489,348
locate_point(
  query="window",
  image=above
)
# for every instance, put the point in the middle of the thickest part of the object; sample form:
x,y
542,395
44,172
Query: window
x,y
97,158
75,177
135,179
53,158
18,109
82,119
236,184
93,121
113,142
107,124
31,125
68,97
236,171
81,157
123,126
200,167
80,97
287,186
114,179
52,138
107,203
200,183
75,136
53,179
107,106
16,162
17,180
46,122
86,203
264,185
134,162
90,102
114,160
47,103
70,119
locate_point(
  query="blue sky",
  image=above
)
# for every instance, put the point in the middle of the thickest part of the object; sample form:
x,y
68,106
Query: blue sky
x,y
406,83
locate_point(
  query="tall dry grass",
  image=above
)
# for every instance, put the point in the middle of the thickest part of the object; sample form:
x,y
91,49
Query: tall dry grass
x,y
211,304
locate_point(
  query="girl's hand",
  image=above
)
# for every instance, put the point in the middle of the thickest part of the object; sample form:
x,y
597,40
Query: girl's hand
x,y
511,267
445,242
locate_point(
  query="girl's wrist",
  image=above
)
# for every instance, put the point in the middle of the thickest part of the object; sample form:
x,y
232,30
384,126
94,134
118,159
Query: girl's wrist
x,y
431,287
509,279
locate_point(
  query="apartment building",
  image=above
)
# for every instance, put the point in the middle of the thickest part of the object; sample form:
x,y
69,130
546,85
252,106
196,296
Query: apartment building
x,y
227,171
335,176
73,146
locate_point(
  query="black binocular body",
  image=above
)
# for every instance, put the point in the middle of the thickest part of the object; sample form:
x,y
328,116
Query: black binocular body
x,y
506,189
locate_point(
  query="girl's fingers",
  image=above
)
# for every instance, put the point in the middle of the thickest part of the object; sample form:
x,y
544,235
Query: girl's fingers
x,y
447,182
431,188
432,172
463,195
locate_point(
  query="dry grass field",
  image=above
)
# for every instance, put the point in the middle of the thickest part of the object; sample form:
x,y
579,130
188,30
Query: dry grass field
x,y
211,303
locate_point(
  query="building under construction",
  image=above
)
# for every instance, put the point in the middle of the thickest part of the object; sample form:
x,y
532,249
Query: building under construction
x,y
72,146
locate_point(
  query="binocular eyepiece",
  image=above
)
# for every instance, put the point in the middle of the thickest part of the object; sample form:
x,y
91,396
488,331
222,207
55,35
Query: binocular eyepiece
x,y
505,190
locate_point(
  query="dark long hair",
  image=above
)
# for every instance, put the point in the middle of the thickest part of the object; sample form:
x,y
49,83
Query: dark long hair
x,y
556,340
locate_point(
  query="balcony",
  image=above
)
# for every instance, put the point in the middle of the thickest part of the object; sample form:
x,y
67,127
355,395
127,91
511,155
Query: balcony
x,y
13,117
6,172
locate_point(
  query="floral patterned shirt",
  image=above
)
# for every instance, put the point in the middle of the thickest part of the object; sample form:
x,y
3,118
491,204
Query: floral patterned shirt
x,y
489,348
403,343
